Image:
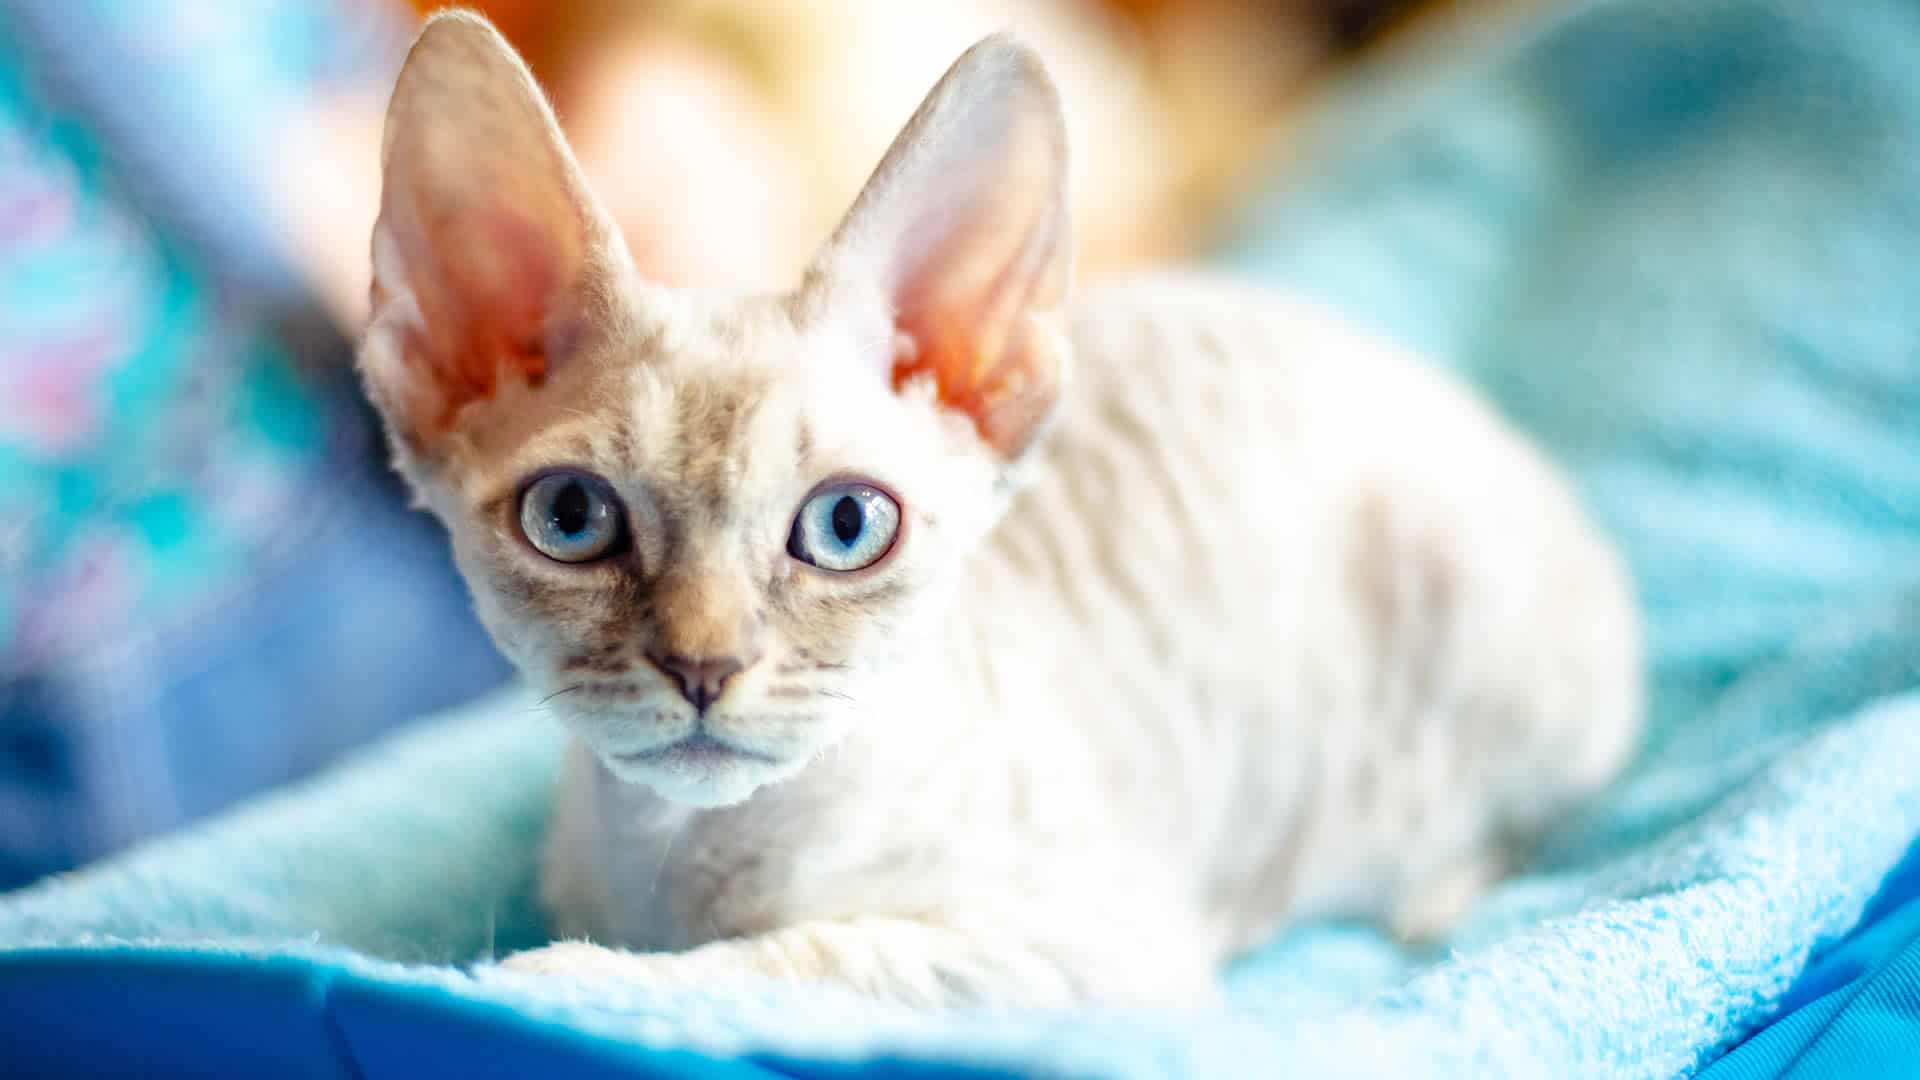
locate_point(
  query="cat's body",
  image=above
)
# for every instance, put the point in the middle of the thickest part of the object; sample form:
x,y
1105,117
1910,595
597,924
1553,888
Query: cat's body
x,y
1273,622
1283,625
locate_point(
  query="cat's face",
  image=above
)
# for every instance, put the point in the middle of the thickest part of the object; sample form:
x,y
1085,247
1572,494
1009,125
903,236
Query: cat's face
x,y
711,528
714,550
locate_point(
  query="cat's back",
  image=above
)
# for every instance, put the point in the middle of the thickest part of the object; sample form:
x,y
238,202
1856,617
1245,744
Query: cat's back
x,y
1233,465
1199,400
1272,549
1252,365
1239,461
1218,438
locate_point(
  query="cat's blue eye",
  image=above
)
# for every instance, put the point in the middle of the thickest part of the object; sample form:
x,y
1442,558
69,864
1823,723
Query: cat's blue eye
x,y
571,517
845,526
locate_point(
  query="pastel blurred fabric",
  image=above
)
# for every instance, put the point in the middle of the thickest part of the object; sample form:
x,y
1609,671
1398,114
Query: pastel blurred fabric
x,y
178,475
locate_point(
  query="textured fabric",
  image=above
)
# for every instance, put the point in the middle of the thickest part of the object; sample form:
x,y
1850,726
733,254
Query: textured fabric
x,y
1671,237
1855,1013
207,584
154,435
184,104
328,642
422,856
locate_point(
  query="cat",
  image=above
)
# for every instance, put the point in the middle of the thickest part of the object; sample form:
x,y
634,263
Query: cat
x,y
923,633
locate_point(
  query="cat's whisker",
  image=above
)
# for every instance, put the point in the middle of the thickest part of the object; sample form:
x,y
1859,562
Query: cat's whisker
x,y
622,690
562,690
666,852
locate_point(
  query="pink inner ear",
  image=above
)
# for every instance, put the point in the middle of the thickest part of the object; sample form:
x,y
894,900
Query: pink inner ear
x,y
500,288
485,232
972,308
1005,392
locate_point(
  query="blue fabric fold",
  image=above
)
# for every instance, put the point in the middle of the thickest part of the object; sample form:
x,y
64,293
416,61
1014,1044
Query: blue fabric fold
x,y
1855,1013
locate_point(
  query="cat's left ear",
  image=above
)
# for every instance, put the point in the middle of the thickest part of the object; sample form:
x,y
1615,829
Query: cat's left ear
x,y
966,223
489,252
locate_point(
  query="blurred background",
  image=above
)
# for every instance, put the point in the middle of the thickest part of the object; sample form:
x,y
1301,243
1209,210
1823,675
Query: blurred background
x,y
210,584
1675,240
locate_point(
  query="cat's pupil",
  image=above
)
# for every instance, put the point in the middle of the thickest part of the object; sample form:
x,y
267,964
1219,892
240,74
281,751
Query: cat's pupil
x,y
848,519
571,508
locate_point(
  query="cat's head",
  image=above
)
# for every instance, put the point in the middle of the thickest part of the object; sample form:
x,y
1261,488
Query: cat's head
x,y
709,525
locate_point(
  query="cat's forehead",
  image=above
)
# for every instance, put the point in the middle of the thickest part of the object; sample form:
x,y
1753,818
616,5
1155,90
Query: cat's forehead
x,y
710,402
713,381
707,428
710,399
724,370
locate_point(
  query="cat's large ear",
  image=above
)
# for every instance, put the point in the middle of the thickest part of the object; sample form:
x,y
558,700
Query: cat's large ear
x,y
966,222
489,250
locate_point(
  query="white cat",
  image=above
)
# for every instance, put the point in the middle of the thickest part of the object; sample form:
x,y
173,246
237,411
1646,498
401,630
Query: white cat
x,y
897,659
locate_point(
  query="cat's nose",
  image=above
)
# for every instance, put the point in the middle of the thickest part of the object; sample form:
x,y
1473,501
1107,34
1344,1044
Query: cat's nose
x,y
701,678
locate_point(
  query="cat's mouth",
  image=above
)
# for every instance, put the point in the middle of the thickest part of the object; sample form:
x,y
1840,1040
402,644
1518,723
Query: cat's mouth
x,y
698,750
701,770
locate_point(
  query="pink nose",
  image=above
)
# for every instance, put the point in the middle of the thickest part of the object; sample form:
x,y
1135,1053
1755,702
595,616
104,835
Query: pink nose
x,y
701,679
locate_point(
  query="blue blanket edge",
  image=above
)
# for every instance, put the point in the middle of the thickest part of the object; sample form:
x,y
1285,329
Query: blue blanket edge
x,y
143,1010
1855,1011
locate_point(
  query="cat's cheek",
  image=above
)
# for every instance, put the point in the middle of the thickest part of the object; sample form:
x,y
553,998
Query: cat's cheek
x,y
529,643
508,633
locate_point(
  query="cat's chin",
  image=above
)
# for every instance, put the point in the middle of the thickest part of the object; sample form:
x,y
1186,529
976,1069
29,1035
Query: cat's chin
x,y
700,777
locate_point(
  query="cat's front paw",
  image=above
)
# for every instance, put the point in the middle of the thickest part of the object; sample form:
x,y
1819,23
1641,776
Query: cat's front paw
x,y
572,958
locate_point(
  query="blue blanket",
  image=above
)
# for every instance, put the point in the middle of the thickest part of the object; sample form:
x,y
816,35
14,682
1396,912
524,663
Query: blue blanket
x,y
1856,1012
1674,238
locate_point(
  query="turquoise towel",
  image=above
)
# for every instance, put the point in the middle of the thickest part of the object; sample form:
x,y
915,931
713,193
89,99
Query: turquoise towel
x,y
1857,1011
1673,238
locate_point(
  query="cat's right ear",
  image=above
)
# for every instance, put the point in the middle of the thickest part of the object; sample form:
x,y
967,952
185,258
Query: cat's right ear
x,y
965,225
489,250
